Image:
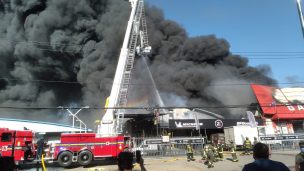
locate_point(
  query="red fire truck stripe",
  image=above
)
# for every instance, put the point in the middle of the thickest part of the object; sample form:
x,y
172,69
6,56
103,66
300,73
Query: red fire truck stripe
x,y
90,144
9,148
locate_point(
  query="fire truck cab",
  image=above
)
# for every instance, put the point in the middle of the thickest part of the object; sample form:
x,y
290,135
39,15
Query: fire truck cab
x,y
16,144
81,148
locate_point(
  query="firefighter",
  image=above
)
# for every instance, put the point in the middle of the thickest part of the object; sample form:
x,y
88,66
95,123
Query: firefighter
x,y
40,146
28,154
255,141
204,152
215,153
247,146
220,152
299,160
210,156
233,153
189,152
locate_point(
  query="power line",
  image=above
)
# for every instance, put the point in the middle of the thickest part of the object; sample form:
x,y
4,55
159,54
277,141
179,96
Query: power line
x,y
49,47
277,58
151,108
39,42
300,55
237,84
79,45
43,81
136,84
268,52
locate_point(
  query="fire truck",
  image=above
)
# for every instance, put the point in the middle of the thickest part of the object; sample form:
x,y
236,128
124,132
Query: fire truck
x,y
109,141
14,143
81,148
85,147
135,43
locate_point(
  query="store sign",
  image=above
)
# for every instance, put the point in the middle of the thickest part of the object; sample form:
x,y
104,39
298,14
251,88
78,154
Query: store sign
x,y
207,123
267,138
166,138
175,140
244,123
186,124
284,103
219,123
154,141
282,137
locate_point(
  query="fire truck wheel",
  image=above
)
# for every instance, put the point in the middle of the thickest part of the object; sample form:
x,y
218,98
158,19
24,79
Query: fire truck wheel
x,y
85,157
65,159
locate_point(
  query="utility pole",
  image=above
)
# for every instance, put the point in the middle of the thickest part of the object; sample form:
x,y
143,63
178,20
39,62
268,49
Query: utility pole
x,y
197,124
74,116
156,119
299,7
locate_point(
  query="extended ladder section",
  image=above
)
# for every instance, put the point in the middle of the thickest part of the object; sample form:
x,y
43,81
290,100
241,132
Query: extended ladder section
x,y
126,78
144,29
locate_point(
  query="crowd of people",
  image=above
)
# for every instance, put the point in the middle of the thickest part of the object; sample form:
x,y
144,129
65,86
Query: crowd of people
x,y
214,152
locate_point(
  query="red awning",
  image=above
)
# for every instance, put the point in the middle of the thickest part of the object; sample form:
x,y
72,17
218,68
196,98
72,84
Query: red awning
x,y
272,106
287,116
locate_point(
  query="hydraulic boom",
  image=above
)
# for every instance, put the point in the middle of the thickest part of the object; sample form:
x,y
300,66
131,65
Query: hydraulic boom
x,y
112,121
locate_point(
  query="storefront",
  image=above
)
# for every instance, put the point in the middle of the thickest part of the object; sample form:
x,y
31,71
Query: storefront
x,y
282,109
208,123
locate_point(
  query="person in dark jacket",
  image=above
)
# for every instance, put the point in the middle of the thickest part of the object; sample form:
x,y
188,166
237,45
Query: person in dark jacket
x,y
300,158
262,161
40,146
125,161
255,141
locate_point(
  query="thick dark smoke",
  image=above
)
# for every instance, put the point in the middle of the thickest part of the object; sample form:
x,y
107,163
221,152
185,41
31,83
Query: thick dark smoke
x,y
78,42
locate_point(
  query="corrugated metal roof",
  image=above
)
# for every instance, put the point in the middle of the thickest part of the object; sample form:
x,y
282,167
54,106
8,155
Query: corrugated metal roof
x,y
37,126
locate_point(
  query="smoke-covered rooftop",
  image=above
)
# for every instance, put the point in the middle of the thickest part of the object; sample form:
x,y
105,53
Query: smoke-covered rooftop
x,y
64,53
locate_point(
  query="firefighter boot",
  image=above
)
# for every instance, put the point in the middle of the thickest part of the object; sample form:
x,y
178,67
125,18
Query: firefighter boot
x,y
221,156
204,156
210,164
188,157
192,158
234,157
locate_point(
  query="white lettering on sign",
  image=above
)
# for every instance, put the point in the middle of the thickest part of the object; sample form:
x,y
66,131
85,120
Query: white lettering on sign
x,y
218,123
4,148
292,108
186,124
300,107
245,123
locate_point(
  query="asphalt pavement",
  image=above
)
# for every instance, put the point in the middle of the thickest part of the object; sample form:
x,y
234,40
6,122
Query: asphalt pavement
x,y
180,163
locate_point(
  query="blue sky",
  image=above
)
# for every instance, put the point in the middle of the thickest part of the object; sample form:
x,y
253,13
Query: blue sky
x,y
266,31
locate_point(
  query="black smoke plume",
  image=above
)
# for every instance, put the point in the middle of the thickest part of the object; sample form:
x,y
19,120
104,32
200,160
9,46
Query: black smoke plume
x,y
64,53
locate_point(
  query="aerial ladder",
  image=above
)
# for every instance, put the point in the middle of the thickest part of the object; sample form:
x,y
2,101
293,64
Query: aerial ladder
x,y
135,42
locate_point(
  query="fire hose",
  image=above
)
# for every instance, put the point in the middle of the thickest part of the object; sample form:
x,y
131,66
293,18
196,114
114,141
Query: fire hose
x,y
42,162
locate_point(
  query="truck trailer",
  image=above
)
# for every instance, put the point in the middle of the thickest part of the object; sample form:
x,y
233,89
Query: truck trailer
x,y
238,134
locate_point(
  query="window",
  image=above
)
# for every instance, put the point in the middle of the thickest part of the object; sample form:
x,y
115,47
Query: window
x,y
6,137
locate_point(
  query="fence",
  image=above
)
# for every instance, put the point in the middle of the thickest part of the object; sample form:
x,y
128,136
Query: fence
x,y
282,142
166,146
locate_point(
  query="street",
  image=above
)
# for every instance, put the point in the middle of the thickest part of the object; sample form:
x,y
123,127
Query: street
x,y
180,163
